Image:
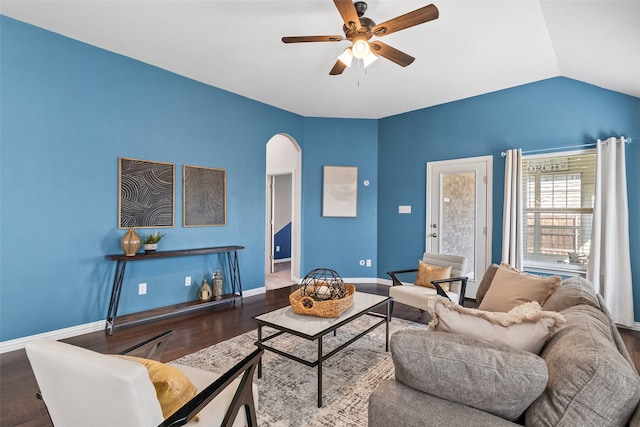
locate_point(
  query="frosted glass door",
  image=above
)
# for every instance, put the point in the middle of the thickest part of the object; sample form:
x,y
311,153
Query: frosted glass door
x,y
459,212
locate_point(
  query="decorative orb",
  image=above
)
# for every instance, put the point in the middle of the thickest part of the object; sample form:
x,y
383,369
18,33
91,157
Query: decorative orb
x,y
323,284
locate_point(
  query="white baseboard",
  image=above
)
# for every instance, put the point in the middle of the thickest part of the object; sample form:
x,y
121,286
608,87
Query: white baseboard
x,y
362,280
59,334
253,292
634,327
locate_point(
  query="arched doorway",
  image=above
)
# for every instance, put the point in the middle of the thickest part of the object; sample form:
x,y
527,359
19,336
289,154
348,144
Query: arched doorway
x,y
283,214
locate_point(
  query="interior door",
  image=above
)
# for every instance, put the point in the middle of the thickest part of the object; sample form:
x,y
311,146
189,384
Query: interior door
x,y
271,202
459,213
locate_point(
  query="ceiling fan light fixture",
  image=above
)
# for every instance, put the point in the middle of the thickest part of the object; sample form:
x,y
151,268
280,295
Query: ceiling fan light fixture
x,y
346,57
369,59
360,48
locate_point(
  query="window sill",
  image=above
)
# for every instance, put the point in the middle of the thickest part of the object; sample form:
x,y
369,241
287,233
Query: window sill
x,y
567,270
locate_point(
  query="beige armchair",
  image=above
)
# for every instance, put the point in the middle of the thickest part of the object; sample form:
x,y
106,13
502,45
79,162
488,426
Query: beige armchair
x,y
83,388
416,296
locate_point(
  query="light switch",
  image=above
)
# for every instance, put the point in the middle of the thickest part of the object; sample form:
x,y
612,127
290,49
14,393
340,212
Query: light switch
x,y
404,209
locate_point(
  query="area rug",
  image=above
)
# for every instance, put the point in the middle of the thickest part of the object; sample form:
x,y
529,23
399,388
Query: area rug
x,y
288,390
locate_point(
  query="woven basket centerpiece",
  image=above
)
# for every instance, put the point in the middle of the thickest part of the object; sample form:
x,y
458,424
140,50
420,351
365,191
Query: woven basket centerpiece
x,y
322,293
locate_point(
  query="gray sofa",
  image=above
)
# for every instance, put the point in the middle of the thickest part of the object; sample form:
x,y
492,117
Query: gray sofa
x,y
583,375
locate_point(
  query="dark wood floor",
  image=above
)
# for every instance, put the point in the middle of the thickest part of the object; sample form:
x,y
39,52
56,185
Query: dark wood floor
x,y
19,407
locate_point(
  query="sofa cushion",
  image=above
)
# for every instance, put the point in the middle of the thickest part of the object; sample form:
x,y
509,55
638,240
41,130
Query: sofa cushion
x,y
528,328
416,296
572,291
590,382
511,287
490,377
427,273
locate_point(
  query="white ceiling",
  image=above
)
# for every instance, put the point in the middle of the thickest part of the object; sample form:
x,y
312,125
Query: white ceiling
x,y
474,47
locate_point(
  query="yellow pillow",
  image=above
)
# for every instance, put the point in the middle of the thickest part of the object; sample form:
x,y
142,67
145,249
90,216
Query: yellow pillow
x,y
172,386
510,288
427,273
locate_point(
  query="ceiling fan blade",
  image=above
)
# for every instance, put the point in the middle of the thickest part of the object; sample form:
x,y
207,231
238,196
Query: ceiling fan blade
x,y
338,68
391,53
418,16
348,12
305,39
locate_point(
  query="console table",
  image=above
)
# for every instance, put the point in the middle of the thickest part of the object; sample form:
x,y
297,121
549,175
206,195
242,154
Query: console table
x,y
233,277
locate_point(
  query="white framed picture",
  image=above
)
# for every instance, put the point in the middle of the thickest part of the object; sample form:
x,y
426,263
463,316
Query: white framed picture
x,y
340,191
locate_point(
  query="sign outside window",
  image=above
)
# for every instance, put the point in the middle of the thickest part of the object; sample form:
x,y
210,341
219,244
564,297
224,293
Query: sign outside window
x,y
552,164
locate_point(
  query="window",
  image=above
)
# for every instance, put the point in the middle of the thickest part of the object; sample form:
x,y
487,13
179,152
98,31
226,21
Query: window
x,y
558,200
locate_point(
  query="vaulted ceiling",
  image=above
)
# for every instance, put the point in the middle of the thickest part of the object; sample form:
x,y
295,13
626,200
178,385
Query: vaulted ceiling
x,y
474,47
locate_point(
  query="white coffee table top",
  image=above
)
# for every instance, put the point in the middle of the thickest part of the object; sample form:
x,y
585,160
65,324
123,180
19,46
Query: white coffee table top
x,y
311,326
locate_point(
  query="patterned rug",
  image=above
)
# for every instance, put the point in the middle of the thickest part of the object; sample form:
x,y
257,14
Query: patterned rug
x,y
288,389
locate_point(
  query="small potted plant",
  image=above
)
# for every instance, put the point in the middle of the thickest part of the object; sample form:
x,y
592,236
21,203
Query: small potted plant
x,y
150,242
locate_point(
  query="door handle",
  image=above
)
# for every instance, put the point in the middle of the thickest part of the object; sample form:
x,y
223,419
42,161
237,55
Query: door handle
x,y
433,235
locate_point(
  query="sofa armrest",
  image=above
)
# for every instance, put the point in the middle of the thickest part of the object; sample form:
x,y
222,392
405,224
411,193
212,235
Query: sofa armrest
x,y
394,278
463,287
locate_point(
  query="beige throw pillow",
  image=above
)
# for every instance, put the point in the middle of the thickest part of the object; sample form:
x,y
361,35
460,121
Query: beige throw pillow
x,y
511,287
428,272
526,328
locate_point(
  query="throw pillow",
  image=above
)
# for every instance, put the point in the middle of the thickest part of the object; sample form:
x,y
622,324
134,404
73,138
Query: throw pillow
x,y
490,377
528,328
511,287
428,272
172,386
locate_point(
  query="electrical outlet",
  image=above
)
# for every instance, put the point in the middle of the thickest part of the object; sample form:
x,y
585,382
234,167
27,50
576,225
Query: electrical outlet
x,y
368,263
187,281
277,248
142,288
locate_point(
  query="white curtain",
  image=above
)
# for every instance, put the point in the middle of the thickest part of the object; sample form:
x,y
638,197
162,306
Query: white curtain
x,y
609,266
512,216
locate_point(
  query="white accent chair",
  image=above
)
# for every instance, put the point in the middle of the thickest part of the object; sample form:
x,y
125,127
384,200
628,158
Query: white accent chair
x,y
416,296
84,388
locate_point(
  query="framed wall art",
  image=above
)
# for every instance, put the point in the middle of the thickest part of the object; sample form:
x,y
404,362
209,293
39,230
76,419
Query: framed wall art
x,y
340,191
205,194
146,193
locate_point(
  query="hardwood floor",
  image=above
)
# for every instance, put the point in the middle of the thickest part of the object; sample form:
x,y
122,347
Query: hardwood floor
x,y
19,407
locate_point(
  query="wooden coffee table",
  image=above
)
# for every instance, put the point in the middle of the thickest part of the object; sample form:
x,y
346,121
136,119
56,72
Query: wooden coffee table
x,y
313,328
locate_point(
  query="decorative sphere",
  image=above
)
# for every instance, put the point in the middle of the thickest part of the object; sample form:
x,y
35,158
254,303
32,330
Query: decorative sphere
x,y
323,284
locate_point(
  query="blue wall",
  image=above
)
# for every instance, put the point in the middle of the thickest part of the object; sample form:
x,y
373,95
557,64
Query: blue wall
x,y
282,239
70,110
339,243
552,113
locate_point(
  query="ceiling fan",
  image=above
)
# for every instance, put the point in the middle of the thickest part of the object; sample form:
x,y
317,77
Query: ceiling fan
x,y
359,29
